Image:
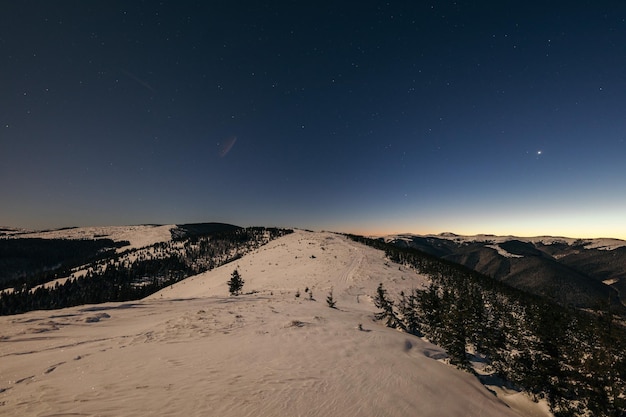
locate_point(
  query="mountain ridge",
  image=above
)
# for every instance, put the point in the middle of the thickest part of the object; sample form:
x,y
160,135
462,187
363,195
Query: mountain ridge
x,y
278,349
607,243
585,273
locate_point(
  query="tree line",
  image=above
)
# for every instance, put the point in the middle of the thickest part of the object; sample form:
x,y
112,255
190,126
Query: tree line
x,y
35,261
129,276
574,359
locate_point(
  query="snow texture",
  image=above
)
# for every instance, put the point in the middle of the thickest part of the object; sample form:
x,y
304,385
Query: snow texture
x,y
193,350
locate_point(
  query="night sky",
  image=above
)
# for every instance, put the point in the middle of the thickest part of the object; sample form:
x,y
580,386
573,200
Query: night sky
x,y
503,117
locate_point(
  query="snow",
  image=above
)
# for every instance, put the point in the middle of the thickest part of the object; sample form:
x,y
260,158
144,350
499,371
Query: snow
x,y
138,236
503,252
193,350
605,244
594,243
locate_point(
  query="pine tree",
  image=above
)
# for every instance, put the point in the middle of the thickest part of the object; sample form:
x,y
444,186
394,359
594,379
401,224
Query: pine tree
x,y
330,300
386,305
408,307
235,284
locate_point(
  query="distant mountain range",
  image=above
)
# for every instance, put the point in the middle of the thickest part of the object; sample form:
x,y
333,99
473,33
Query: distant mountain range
x,y
24,253
585,273
145,234
163,292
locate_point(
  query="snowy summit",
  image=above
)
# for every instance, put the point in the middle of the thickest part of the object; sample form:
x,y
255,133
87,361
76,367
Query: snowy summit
x,y
275,350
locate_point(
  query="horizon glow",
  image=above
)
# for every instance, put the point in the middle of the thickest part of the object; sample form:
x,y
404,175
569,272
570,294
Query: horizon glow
x,y
464,118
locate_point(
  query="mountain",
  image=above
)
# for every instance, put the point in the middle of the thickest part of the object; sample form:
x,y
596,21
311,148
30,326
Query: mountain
x,y
278,349
27,254
584,273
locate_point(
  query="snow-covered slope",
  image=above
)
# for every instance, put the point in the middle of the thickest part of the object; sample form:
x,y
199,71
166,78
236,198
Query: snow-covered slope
x,y
193,350
580,272
592,243
138,236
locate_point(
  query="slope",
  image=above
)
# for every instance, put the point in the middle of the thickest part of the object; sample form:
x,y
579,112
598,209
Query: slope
x,y
136,236
193,350
582,273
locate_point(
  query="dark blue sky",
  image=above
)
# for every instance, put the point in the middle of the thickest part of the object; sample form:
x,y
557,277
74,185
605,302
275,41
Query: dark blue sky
x,y
499,117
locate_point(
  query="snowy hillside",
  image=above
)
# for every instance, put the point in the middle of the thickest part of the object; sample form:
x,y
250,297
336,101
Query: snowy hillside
x,y
592,243
138,236
584,273
193,350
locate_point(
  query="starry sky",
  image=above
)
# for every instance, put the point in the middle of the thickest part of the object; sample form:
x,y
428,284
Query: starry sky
x,y
502,117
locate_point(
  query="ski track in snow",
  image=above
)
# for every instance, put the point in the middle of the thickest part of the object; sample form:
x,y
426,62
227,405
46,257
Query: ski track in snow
x,y
356,256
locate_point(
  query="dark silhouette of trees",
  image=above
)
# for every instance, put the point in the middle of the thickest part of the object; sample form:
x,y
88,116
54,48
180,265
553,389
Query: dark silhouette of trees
x,y
574,359
34,261
382,301
138,273
235,284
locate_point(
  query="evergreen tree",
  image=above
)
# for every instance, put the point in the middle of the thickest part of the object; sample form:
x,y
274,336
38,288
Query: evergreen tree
x,y
574,359
386,305
408,308
235,284
330,300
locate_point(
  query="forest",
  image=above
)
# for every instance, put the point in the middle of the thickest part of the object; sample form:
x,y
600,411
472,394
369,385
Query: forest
x,y
134,274
36,260
573,358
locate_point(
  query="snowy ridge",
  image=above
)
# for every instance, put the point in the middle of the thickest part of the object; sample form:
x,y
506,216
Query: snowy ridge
x,y
138,236
503,252
191,349
594,243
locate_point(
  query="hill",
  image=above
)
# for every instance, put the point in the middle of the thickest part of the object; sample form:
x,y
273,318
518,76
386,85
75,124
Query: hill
x,y
278,349
584,273
36,257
